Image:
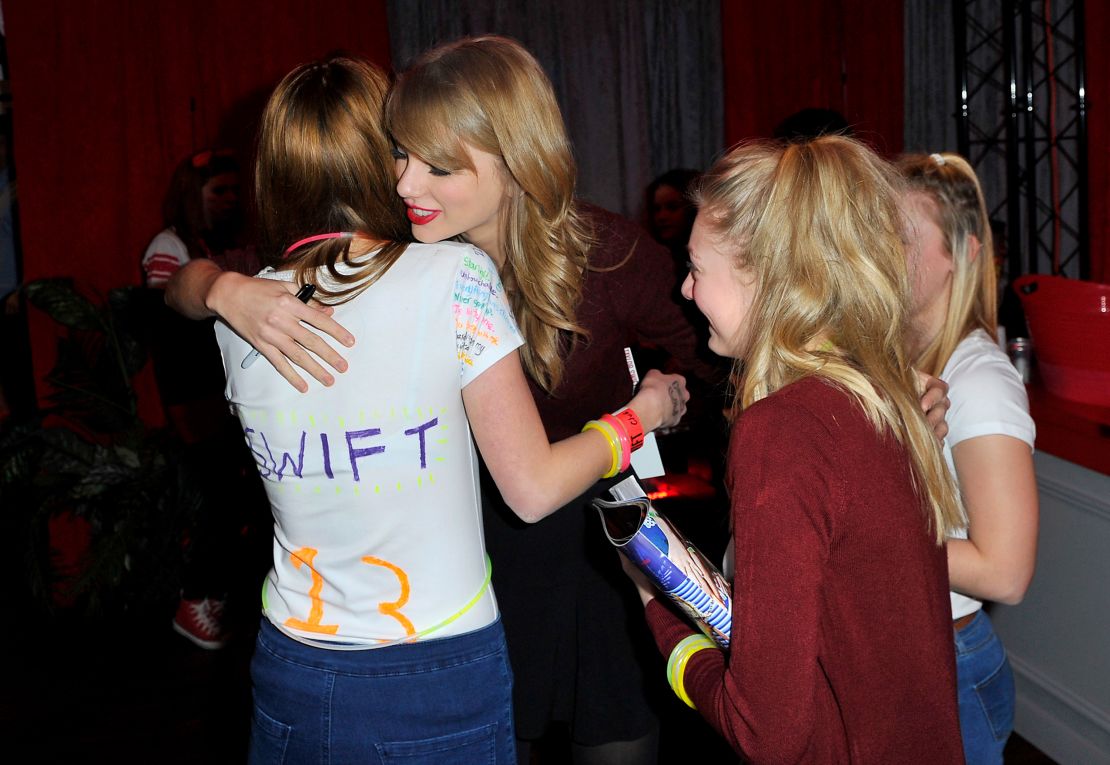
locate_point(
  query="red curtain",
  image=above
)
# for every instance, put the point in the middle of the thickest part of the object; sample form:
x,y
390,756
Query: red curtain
x,y
844,55
108,96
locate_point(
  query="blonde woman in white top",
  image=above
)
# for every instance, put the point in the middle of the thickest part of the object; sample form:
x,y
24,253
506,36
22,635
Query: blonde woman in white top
x,y
990,438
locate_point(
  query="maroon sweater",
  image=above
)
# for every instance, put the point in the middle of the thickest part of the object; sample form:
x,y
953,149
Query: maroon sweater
x,y
842,630
626,300
553,576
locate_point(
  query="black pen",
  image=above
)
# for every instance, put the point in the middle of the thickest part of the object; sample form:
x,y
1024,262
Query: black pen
x,y
304,294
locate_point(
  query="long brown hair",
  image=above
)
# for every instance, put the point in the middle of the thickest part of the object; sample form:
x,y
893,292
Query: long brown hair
x,y
490,93
324,165
962,217
183,205
818,223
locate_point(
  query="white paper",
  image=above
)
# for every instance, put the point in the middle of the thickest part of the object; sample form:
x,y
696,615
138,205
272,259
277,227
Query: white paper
x,y
627,489
647,461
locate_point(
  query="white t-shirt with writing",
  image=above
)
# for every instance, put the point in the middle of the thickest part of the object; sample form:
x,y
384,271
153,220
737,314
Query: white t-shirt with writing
x,y
373,481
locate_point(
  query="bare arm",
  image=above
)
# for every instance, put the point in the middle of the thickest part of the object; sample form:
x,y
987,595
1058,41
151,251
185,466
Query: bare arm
x,y
188,288
265,314
537,477
999,490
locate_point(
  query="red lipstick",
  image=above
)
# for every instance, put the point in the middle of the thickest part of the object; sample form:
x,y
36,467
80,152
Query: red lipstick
x,y
419,220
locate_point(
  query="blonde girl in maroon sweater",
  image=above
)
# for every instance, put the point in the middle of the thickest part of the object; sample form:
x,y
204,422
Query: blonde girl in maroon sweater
x,y
841,636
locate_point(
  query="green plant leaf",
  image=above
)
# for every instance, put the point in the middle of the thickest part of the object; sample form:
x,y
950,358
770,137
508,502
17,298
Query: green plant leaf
x,y
132,350
20,451
96,459
104,476
66,454
61,302
18,464
127,457
132,310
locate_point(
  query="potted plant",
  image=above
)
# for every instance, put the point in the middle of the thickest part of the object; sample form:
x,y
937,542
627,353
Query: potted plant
x,y
87,468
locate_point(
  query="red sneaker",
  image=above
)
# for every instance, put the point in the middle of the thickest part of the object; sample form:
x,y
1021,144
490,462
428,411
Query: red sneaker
x,y
199,621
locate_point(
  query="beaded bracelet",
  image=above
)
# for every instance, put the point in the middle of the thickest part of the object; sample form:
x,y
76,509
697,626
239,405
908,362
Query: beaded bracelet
x,y
611,436
680,656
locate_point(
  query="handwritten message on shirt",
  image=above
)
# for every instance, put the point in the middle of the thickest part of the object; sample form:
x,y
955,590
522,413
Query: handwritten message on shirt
x,y
477,316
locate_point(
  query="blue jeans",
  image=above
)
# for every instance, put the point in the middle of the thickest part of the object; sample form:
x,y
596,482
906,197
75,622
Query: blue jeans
x,y
445,701
986,691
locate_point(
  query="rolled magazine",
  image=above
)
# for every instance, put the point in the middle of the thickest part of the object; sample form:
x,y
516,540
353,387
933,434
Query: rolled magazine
x,y
672,563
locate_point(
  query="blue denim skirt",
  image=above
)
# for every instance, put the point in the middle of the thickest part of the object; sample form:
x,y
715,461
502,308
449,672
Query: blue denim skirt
x,y
445,701
986,691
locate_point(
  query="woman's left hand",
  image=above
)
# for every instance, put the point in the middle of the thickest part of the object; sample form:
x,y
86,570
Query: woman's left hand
x,y
661,400
644,586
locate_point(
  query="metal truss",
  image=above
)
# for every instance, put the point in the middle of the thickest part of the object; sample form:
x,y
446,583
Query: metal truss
x,y
1022,123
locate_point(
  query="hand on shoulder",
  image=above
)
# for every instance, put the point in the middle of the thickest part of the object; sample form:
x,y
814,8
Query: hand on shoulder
x,y
266,314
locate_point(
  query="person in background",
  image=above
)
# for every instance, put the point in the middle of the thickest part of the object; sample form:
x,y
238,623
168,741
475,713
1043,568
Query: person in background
x,y
669,211
203,218
989,447
698,446
841,633
809,123
381,636
203,221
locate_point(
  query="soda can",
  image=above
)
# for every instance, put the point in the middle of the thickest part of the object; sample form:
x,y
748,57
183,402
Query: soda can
x,y
1021,356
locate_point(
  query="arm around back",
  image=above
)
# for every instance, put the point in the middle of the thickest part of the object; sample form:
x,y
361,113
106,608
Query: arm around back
x,y
188,289
265,313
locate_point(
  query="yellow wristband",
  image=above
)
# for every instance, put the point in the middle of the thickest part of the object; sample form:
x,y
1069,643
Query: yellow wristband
x,y
606,430
676,664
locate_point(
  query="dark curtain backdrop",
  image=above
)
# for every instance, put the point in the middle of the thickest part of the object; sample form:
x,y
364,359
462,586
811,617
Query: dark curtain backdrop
x,y
108,96
639,82
844,55
929,58
1098,138
931,106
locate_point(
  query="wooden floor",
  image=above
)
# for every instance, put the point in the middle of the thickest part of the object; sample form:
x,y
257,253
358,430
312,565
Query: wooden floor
x,y
138,693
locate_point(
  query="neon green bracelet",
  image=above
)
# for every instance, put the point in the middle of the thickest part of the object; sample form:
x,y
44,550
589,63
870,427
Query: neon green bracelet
x,y
606,430
676,664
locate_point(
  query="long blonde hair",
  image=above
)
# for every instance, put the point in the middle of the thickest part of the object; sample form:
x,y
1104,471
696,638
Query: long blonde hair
x,y
491,94
819,226
961,213
324,166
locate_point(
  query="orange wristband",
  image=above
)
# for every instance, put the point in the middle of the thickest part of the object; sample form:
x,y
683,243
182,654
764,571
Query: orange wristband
x,y
632,426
